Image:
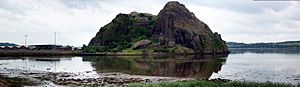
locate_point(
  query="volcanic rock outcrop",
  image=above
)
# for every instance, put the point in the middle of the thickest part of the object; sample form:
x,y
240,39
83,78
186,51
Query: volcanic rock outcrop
x,y
175,27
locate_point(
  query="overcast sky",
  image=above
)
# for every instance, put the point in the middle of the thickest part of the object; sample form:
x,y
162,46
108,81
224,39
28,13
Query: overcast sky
x,y
77,21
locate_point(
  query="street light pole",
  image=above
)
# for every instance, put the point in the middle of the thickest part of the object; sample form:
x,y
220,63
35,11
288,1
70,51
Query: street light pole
x,y
25,40
54,38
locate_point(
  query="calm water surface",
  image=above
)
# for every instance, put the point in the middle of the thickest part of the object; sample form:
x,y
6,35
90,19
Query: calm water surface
x,y
272,67
242,65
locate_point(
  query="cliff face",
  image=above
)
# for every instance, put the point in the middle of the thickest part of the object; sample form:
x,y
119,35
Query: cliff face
x,y
177,25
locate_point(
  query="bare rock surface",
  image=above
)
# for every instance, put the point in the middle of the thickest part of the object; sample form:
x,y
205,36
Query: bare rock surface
x,y
142,44
177,25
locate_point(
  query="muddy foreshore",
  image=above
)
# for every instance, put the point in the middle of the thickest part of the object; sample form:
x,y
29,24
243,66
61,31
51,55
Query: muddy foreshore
x,y
83,78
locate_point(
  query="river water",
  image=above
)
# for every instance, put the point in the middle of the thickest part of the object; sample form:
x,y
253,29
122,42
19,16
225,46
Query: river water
x,y
241,65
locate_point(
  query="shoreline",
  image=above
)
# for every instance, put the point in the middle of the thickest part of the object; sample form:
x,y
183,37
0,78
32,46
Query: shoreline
x,y
120,79
213,83
31,53
86,78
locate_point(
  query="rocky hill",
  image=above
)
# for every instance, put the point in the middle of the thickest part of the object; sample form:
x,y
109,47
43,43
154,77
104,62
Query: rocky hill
x,y
174,29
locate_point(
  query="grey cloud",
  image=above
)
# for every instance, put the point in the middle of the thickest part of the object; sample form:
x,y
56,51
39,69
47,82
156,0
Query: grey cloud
x,y
73,18
17,7
245,6
8,6
81,4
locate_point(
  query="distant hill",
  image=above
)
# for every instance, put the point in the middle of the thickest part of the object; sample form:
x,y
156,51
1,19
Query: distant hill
x,y
7,44
286,44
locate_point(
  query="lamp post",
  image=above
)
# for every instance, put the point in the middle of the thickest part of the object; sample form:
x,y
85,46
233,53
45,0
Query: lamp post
x,y
25,40
54,38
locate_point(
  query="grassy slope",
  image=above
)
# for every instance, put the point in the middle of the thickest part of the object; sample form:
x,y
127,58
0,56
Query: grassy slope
x,y
125,30
202,83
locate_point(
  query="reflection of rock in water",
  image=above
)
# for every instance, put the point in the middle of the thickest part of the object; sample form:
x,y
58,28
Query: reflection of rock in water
x,y
47,59
50,58
176,66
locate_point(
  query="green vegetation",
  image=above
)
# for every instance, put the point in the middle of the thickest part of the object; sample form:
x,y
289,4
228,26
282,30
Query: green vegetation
x,y
203,83
123,32
218,44
130,51
152,48
93,49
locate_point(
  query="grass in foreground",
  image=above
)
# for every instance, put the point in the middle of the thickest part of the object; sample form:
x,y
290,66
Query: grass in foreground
x,y
203,83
